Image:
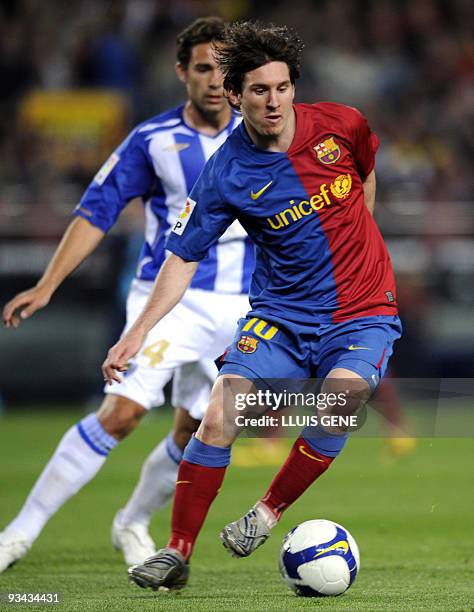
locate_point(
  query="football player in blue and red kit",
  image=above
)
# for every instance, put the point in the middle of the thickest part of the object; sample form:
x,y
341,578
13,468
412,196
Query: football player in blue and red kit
x,y
300,179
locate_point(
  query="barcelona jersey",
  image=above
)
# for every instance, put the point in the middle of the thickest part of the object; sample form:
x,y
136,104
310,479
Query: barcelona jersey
x,y
320,256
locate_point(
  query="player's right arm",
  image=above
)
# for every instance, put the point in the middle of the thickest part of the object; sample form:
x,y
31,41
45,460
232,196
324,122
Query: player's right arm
x,y
78,242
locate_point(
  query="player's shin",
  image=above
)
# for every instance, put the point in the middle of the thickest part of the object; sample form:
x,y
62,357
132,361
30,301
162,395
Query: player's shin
x,y
200,476
309,458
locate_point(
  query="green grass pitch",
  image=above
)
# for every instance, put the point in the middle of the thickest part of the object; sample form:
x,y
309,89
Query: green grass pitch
x,y
412,519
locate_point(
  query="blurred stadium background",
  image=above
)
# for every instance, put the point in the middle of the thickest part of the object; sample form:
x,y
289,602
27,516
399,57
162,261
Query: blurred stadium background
x,y
76,76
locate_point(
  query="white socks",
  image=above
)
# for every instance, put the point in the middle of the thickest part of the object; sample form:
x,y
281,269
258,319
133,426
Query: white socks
x,y
156,485
80,454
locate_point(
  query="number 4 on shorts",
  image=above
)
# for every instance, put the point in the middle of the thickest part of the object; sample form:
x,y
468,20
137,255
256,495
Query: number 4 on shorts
x,y
155,352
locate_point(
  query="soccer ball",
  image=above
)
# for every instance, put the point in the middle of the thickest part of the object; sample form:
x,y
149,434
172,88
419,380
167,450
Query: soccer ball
x,y
319,558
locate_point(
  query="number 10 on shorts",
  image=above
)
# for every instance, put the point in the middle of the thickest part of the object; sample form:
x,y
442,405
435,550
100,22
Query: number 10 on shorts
x,y
258,326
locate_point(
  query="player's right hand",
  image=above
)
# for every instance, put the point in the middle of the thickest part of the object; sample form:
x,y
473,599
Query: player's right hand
x,y
120,354
27,303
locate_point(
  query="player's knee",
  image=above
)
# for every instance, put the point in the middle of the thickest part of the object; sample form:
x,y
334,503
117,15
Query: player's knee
x,y
346,394
211,430
119,416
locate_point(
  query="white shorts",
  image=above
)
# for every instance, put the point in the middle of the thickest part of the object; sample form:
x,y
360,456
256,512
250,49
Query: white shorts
x,y
184,343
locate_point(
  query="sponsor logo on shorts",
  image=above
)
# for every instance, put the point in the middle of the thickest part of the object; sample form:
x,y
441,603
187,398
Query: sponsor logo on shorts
x,y
328,151
247,344
184,217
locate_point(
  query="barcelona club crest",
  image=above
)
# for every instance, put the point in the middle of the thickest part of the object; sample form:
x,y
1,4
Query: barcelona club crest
x,y
328,151
247,344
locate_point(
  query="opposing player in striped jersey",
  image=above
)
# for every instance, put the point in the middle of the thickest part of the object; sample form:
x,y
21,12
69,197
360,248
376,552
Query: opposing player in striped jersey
x,y
158,162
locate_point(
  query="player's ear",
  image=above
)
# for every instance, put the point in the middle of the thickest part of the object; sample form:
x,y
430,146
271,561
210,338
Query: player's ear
x,y
182,72
234,98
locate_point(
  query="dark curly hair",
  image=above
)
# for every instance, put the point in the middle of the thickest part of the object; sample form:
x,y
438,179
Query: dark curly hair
x,y
202,30
251,44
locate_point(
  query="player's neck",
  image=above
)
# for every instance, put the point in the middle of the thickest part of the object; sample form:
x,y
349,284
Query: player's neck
x,y
279,143
206,123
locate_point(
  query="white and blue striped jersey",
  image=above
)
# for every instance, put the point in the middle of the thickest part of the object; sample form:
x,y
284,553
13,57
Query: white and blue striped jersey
x,y
159,162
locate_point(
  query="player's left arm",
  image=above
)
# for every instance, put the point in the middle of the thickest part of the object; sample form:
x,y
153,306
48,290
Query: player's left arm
x,y
369,185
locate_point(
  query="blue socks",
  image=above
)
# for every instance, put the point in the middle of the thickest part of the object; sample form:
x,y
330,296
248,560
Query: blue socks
x,y
199,453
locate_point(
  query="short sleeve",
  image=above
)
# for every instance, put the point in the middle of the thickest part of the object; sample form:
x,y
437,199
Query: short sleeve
x,y
364,143
127,174
204,219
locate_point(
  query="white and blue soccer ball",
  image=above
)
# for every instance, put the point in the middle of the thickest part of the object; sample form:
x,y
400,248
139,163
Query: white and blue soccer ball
x,y
319,558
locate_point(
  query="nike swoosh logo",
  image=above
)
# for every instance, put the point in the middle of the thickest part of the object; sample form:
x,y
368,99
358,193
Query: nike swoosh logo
x,y
353,347
255,196
341,544
183,482
303,451
179,146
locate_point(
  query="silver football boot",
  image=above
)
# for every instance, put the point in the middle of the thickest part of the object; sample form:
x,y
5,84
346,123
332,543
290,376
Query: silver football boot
x,y
242,537
167,571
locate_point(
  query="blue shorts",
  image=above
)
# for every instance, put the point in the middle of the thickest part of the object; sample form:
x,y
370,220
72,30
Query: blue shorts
x,y
262,350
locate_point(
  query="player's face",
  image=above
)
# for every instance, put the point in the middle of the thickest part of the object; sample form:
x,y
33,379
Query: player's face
x,y
266,100
203,80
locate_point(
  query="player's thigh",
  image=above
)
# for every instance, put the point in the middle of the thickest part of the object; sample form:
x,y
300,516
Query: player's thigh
x,y
363,347
192,384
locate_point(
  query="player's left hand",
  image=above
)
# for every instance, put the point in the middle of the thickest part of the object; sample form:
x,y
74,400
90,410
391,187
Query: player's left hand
x,y
120,354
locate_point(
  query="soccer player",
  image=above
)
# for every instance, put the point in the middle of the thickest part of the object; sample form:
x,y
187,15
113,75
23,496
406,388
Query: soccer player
x,y
158,162
300,178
